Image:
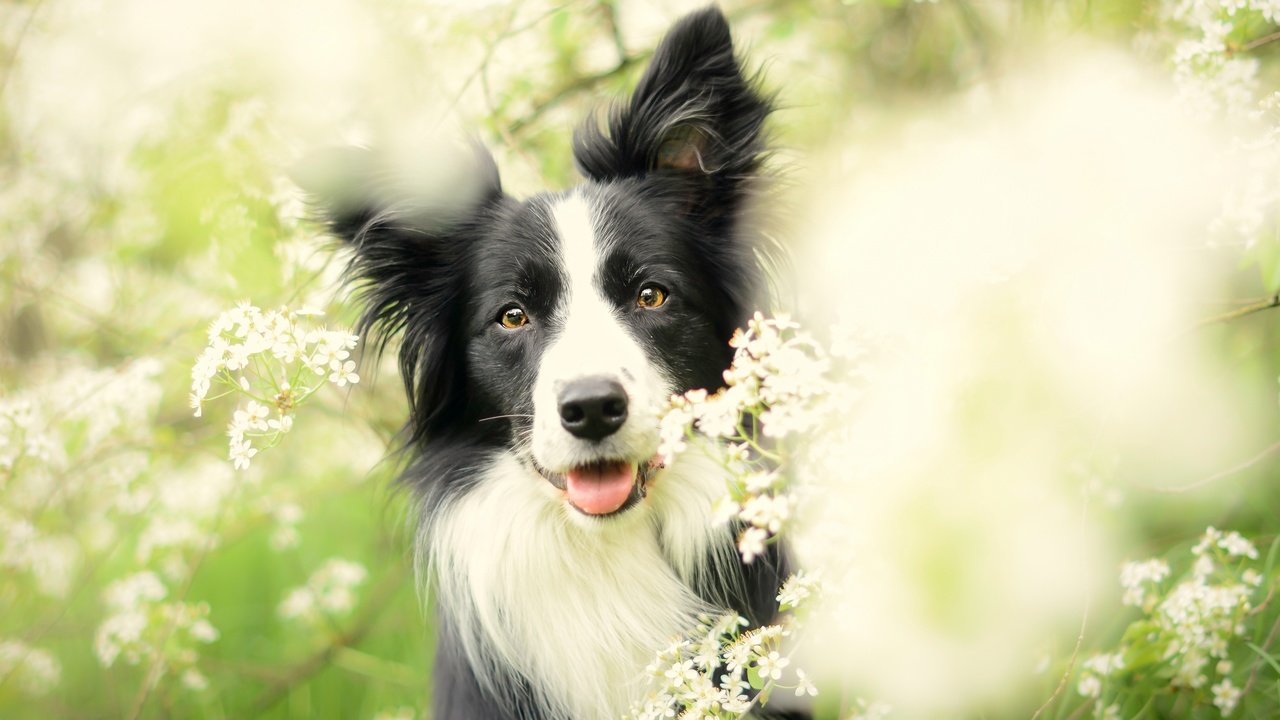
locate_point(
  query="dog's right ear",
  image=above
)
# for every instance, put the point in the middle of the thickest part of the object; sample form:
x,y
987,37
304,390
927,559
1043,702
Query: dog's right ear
x,y
409,224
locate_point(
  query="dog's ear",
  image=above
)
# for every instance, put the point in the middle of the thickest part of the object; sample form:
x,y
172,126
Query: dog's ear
x,y
408,222
693,114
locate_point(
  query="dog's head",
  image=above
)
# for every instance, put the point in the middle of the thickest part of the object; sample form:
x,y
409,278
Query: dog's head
x,y
557,325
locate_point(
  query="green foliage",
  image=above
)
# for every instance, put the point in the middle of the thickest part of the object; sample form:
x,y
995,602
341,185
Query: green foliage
x,y
149,198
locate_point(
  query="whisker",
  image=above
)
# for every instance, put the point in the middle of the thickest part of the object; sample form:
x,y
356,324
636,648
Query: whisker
x,y
499,417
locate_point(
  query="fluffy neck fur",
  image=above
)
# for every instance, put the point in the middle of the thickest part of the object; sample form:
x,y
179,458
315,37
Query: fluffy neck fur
x,y
576,607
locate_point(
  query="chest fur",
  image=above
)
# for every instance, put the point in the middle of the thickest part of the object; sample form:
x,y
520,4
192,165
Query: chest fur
x,y
576,606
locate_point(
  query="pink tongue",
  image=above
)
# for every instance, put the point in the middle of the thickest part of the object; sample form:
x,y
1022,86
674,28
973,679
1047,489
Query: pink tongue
x,y
600,489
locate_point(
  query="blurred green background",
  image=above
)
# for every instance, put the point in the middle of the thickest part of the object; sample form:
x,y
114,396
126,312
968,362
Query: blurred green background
x,y
144,157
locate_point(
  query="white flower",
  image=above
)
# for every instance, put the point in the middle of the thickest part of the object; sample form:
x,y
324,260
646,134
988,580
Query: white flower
x,y
1207,541
761,481
329,591
679,673
241,453
343,373
1226,696
120,634
35,670
751,543
1105,664
770,665
804,686
1237,546
134,591
194,680
875,711
1089,686
796,589
1136,579
724,510
737,657
766,511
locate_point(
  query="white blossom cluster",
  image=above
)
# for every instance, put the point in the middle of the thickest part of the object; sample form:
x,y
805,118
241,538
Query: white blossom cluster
x,y
330,592
712,672
34,671
143,626
1218,78
1213,75
274,358
1140,581
875,710
1189,627
68,464
775,388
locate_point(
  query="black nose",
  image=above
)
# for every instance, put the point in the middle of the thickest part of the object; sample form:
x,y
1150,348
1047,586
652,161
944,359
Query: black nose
x,y
593,408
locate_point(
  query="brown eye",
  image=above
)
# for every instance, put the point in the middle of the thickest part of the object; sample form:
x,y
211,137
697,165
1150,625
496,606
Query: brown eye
x,y
651,296
513,318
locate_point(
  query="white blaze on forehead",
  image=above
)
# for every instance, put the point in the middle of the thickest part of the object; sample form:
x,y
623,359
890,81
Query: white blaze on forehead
x,y
579,253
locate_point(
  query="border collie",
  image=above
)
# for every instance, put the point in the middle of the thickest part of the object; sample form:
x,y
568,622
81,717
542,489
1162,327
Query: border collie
x,y
538,338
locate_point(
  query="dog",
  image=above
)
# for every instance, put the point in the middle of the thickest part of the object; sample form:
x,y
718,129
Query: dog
x,y
537,340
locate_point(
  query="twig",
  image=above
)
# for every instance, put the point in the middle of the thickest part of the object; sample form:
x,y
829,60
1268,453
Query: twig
x,y
1259,42
1263,304
156,670
509,30
1219,475
17,44
584,83
1084,624
610,8
1071,666
317,661
625,62
1271,636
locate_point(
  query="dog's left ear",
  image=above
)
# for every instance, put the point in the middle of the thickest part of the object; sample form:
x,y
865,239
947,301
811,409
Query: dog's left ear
x,y
693,114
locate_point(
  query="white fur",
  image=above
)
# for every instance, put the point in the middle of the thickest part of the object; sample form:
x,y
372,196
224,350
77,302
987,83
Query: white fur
x,y
580,610
580,605
592,342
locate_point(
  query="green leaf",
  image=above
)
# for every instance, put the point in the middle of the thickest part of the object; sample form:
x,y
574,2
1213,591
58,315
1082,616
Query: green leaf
x,y
1271,660
1271,557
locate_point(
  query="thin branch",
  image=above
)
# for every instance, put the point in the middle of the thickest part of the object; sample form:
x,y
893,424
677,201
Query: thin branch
x,y
1264,304
610,8
1084,624
581,84
1071,666
159,664
1259,42
317,661
17,44
625,62
1253,676
1219,475
509,30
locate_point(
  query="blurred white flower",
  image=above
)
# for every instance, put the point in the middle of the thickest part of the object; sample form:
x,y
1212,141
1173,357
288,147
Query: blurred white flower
x,y
1225,696
328,592
35,670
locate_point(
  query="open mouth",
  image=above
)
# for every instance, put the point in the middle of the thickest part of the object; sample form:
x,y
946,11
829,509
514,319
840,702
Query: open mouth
x,y
604,487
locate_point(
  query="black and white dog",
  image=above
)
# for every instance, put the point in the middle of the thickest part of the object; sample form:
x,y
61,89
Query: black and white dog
x,y
538,338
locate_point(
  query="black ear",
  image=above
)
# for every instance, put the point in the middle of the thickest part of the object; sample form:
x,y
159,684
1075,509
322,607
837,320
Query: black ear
x,y
692,113
409,223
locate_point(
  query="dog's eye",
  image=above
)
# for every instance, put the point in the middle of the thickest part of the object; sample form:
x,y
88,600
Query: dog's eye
x,y
651,296
513,318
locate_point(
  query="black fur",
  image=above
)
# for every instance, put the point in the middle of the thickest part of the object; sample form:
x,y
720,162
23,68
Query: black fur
x,y
673,170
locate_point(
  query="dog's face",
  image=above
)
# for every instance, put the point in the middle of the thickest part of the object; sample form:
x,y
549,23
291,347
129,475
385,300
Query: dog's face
x,y
589,309
558,325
